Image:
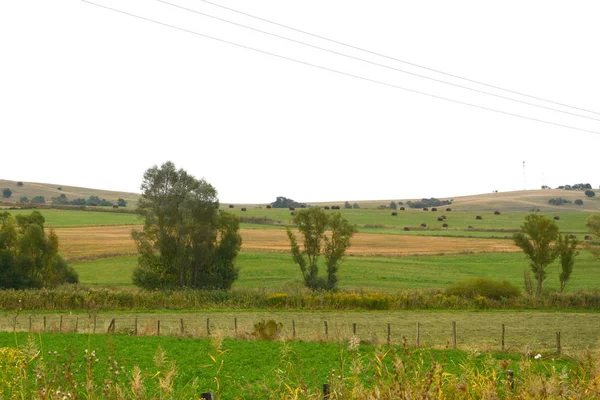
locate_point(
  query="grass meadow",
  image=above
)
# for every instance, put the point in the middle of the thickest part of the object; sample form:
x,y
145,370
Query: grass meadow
x,y
75,218
276,271
106,366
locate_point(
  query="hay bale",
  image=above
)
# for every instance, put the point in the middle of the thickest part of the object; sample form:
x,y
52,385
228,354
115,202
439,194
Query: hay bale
x,y
243,208
479,217
402,208
496,212
571,236
292,208
425,209
556,217
440,219
470,227
587,237
444,225
406,228
268,206
444,216
434,209
423,225
293,213
448,209
231,206
326,207
394,214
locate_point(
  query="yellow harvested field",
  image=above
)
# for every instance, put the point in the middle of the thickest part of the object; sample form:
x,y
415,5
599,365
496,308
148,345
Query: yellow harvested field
x,y
100,241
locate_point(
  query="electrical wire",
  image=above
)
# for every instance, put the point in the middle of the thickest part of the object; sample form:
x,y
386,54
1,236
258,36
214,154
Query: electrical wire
x,y
395,59
341,72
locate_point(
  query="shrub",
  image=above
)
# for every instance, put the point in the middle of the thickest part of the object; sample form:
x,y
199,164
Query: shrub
x,y
38,200
6,193
484,287
590,193
579,202
267,330
558,201
20,184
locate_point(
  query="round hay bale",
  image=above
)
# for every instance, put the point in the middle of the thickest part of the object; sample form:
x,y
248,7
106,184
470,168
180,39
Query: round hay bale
x,y
470,227
292,208
444,225
448,209
326,207
587,237
444,216
402,208
479,217
268,206
434,209
556,217
394,214
423,225
243,208
406,228
231,206
440,219
293,213
496,212
425,209
571,236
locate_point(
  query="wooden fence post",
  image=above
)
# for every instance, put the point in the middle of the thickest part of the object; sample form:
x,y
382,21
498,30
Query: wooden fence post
x,y
158,327
30,323
111,326
76,324
44,323
235,325
417,342
326,330
389,335
208,326
135,327
558,347
294,329
502,337
95,318
354,328
453,334
326,391
181,325
60,325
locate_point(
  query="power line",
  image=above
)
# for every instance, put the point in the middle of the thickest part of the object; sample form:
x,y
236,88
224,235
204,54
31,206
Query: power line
x,y
340,72
396,59
375,63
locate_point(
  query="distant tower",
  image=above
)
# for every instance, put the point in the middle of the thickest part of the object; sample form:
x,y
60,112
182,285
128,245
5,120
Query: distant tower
x,y
524,177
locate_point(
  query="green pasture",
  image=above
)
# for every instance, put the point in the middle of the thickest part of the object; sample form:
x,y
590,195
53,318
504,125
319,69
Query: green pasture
x,y
76,218
381,221
276,271
244,369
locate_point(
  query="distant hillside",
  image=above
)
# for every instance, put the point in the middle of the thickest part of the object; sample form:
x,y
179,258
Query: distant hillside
x,y
50,190
523,200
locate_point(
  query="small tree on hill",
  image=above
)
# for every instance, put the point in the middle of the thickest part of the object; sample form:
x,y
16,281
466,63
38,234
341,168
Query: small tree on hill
x,y
393,205
590,193
355,205
567,251
347,205
578,202
121,202
24,200
535,239
312,225
593,224
38,200
6,193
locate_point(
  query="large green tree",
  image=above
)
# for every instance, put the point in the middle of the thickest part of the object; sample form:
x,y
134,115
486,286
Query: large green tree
x,y
28,256
186,241
313,225
536,240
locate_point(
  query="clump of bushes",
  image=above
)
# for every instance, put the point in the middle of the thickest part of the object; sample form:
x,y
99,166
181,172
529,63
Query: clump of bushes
x,y
484,287
558,201
267,330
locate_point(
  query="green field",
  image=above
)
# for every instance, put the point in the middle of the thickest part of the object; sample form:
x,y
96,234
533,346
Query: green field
x,y
75,218
242,370
277,271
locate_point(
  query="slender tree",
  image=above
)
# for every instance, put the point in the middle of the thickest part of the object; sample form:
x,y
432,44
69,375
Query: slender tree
x,y
567,251
535,239
593,224
312,225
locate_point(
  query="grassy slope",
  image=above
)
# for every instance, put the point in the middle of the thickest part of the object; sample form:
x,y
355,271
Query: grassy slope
x,y
275,271
49,190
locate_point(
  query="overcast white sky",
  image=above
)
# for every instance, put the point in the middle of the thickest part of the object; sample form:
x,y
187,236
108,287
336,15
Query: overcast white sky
x,y
92,97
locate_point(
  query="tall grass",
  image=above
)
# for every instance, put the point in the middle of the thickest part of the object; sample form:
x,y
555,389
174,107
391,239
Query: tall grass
x,y
72,298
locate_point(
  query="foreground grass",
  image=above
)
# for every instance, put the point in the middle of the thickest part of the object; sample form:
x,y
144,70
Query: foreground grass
x,y
274,271
99,366
525,331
